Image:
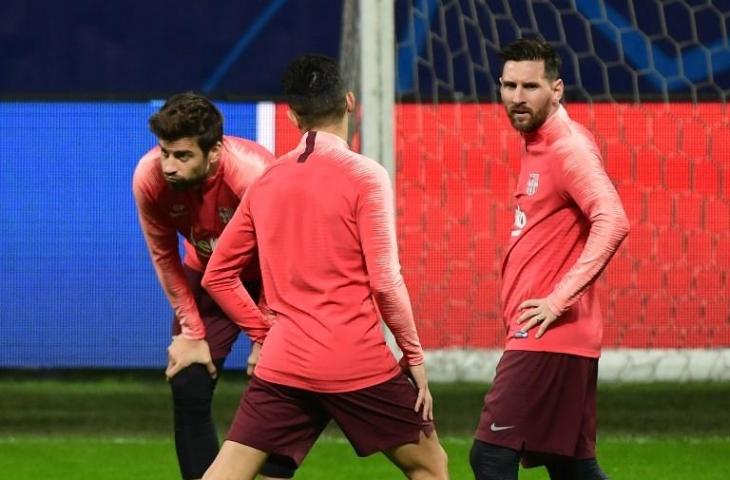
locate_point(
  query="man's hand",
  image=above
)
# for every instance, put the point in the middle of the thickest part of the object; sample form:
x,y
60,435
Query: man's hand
x,y
536,311
253,357
183,352
417,373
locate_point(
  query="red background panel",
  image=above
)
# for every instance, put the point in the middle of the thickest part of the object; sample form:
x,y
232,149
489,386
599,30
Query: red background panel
x,y
670,164
456,170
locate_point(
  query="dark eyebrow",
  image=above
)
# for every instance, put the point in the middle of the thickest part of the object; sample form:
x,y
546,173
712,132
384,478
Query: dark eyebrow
x,y
176,153
510,83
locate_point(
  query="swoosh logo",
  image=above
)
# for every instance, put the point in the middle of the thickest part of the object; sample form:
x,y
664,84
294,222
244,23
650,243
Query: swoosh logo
x,y
493,427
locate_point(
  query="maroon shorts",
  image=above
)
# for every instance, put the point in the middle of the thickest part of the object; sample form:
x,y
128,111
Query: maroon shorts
x,y
542,404
220,331
287,421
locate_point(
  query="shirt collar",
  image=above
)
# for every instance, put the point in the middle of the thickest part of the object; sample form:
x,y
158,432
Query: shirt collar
x,y
325,138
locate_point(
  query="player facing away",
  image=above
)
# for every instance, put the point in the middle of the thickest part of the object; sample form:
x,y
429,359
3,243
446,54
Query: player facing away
x,y
322,221
190,184
569,221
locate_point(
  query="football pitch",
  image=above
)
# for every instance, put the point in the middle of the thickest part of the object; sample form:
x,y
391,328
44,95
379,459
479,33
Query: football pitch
x,y
116,425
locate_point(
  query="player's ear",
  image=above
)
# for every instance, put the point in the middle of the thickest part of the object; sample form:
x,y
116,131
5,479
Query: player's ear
x,y
558,88
350,102
214,154
293,117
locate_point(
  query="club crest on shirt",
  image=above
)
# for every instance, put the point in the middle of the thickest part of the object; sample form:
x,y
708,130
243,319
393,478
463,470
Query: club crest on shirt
x,y
204,247
225,214
532,183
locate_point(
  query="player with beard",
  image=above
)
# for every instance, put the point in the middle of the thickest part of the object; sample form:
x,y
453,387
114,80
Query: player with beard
x,y
568,223
190,184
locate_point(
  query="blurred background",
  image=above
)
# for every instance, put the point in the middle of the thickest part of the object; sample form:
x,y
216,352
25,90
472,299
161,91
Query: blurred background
x,y
650,79
80,79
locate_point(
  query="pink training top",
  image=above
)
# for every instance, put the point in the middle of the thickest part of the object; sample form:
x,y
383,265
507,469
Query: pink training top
x,y
199,215
323,220
568,223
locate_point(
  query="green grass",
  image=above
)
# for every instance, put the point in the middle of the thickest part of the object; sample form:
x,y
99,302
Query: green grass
x,y
117,425
58,458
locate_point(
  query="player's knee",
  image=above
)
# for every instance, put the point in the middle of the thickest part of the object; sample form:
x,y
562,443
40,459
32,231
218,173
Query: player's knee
x,y
492,462
429,463
436,467
192,390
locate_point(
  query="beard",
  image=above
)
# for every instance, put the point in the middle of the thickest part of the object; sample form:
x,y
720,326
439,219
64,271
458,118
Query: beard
x,y
181,185
525,119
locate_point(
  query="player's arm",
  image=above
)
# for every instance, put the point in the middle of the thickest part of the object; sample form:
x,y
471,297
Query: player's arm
x,y
583,179
586,182
162,243
236,247
161,238
376,225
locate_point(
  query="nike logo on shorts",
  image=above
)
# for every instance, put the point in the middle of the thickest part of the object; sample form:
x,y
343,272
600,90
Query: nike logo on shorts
x,y
493,427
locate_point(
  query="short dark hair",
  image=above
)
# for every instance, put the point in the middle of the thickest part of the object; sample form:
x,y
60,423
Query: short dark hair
x,y
525,49
314,89
189,115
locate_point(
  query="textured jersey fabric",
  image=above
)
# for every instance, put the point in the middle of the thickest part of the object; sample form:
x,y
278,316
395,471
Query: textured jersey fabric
x,y
322,218
569,221
198,215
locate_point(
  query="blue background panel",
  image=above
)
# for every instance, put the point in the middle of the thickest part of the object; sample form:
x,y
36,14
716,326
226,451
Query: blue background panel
x,y
78,288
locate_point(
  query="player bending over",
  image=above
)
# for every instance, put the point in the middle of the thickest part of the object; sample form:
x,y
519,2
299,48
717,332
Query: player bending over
x,y
190,184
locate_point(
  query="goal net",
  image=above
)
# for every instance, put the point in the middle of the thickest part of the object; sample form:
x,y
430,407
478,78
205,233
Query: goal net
x,y
650,79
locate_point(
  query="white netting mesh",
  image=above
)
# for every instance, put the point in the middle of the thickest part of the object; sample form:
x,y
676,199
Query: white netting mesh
x,y
612,50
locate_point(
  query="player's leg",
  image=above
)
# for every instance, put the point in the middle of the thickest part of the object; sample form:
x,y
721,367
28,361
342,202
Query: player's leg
x,y
425,460
584,465
492,462
282,421
588,469
576,469
503,425
276,467
196,439
381,419
537,406
236,462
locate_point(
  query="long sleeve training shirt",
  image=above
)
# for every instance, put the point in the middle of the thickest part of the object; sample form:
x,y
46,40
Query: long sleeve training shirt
x,y
198,215
322,220
568,223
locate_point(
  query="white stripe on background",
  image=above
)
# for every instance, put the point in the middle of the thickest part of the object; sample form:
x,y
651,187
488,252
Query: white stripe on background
x,y
266,124
615,365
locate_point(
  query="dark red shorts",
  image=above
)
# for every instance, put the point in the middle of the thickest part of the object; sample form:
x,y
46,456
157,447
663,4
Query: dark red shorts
x,y
220,332
542,404
287,421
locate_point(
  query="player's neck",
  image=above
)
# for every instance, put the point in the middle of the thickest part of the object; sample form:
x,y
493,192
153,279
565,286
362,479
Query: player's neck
x,y
339,129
